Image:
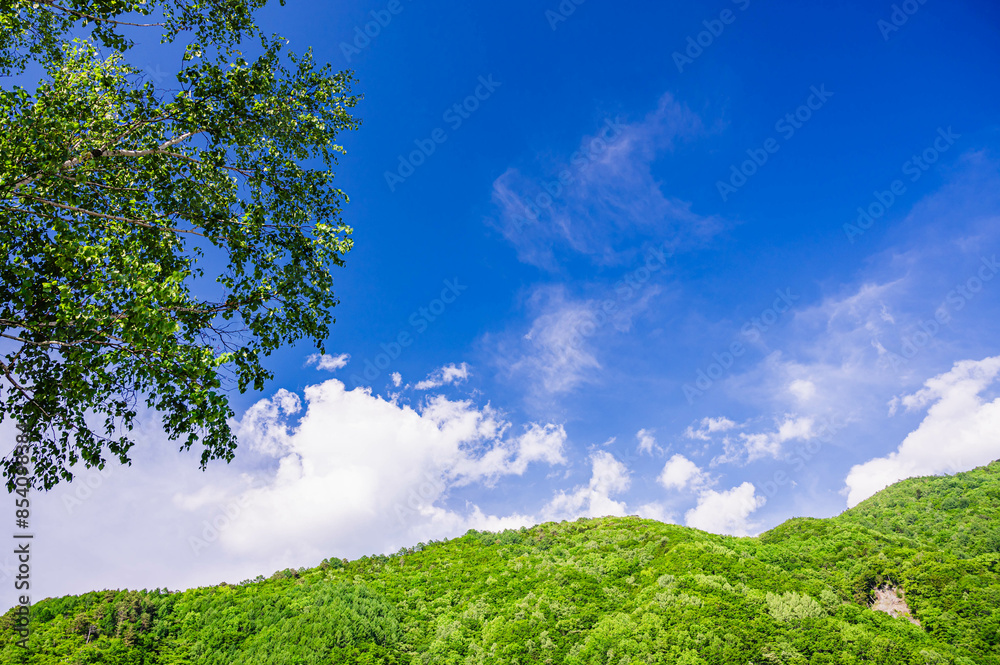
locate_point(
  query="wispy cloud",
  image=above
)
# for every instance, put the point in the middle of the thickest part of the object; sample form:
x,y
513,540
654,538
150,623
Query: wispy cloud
x,y
908,314
604,194
553,353
559,352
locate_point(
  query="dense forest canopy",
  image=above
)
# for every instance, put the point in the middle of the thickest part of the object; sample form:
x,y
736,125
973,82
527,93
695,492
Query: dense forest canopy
x,y
616,591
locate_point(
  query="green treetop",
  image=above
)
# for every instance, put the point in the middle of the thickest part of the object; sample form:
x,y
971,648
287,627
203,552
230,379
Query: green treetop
x,y
112,194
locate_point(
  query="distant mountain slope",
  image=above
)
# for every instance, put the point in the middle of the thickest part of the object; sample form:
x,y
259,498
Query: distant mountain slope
x,y
618,591
960,513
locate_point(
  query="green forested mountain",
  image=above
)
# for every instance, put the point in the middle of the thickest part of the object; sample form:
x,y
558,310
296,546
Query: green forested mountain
x,y
619,591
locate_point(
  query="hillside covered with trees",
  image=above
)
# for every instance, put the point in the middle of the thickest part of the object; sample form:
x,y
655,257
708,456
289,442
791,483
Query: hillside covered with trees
x,y
618,591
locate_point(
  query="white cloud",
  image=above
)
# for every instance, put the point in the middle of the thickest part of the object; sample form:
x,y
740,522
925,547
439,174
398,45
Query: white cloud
x,y
647,444
681,473
537,444
609,477
655,511
802,389
886,315
893,406
725,512
709,426
557,354
264,426
829,357
373,470
746,447
397,379
328,362
559,351
960,431
609,194
443,376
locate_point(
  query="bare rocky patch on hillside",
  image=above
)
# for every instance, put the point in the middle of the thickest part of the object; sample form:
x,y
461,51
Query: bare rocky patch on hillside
x,y
889,600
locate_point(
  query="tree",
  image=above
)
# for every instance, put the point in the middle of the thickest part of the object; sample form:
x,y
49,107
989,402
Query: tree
x,y
792,606
115,194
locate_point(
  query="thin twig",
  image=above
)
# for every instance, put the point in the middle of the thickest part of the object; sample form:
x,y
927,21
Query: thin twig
x,y
98,19
101,215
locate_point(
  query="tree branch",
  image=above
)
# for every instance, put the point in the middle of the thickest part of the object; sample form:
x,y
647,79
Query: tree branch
x,y
94,154
6,369
91,183
83,211
98,19
48,343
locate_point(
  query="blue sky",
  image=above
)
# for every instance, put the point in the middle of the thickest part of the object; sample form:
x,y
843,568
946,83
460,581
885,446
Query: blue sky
x,y
715,263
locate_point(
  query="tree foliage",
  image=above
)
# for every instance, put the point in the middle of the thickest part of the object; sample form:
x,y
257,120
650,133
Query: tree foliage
x,y
791,606
116,195
605,591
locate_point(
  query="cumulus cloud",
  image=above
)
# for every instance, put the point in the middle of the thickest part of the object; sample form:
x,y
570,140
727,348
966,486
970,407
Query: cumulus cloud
x,y
537,444
647,444
264,426
746,447
960,431
708,427
327,472
443,376
681,473
328,362
655,511
725,512
609,477
355,464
